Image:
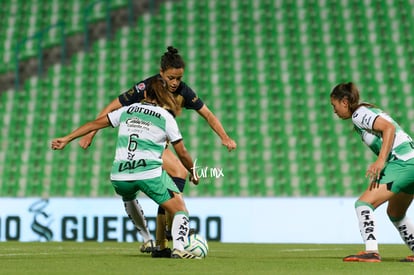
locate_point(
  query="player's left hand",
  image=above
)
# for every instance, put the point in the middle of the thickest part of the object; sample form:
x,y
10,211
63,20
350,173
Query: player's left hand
x,y
229,143
194,179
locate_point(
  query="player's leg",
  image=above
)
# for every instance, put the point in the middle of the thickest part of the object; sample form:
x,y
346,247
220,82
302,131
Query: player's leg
x,y
396,210
160,236
401,175
180,224
180,227
136,214
173,165
364,208
165,193
128,191
180,183
178,173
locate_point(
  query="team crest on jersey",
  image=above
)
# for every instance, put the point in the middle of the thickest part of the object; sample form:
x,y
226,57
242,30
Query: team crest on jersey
x,y
141,86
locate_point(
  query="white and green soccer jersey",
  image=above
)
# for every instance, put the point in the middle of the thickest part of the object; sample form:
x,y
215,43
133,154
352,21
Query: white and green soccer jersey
x,y
364,118
143,132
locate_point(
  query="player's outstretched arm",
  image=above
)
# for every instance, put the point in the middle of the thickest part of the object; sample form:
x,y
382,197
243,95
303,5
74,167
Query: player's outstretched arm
x,y
99,123
86,140
185,159
216,125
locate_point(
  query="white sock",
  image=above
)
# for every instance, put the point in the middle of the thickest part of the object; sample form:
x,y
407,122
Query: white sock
x,y
406,229
367,224
179,230
136,214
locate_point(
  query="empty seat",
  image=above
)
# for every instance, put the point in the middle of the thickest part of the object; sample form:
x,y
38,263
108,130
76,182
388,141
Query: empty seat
x,y
265,69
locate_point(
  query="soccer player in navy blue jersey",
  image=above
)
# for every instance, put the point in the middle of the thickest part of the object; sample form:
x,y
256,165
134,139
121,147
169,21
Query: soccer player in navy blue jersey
x,y
172,71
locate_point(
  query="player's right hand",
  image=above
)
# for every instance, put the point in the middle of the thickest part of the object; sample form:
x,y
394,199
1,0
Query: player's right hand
x,y
86,140
59,143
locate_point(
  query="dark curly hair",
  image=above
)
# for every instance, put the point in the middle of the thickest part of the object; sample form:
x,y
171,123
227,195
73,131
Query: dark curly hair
x,y
171,59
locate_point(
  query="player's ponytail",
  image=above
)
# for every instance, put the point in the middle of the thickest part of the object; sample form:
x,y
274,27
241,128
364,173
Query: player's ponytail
x,y
350,92
157,91
171,59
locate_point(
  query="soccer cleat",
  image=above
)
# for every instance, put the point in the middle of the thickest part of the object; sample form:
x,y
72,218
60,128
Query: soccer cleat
x,y
147,247
368,257
408,259
178,254
164,253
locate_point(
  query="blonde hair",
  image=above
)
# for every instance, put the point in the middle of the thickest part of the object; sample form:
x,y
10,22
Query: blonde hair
x,y
157,91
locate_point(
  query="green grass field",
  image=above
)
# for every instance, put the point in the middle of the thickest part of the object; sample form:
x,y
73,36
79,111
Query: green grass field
x,y
224,258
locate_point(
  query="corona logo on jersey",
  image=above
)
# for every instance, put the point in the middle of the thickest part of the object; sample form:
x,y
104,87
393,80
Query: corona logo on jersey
x,y
138,109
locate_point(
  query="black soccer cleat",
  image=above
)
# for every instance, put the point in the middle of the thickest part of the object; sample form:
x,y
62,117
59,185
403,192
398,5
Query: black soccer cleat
x,y
163,253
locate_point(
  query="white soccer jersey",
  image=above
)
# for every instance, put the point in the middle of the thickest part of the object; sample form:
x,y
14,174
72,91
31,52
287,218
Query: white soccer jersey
x,y
363,119
143,132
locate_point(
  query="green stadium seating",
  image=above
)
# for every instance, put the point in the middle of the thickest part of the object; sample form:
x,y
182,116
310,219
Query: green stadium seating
x,y
22,19
265,68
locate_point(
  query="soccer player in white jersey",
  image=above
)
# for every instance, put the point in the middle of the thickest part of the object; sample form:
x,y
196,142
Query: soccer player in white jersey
x,y
172,68
144,129
391,176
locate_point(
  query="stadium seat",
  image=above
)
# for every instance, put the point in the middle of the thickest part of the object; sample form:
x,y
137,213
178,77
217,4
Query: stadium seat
x,y
265,68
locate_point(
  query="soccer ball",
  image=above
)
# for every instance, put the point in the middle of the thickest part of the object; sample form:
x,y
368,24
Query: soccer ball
x,y
197,245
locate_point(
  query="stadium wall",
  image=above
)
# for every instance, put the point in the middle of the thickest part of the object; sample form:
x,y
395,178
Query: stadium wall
x,y
241,220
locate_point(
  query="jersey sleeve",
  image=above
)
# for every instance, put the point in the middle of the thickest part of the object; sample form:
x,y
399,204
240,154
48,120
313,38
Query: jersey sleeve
x,y
364,118
191,100
114,117
133,95
172,130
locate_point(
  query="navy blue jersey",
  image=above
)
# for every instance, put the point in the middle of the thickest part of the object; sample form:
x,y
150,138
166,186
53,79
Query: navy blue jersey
x,y
184,95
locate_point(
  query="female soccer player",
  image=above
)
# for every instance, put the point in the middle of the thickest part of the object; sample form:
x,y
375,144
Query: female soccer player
x,y
172,71
391,176
144,129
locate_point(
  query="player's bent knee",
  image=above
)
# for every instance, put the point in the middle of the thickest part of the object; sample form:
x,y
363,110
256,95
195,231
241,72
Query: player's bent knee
x,y
175,171
173,165
395,214
174,204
